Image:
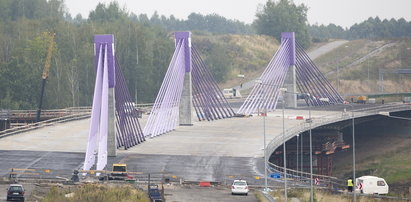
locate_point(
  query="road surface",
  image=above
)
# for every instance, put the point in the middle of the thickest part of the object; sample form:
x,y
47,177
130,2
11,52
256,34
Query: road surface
x,y
206,151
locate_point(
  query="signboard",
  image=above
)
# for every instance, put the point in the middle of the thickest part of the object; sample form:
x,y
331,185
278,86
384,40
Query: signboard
x,y
275,175
316,181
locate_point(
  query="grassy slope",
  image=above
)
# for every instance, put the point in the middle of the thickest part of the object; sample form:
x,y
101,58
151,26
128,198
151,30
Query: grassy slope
x,y
322,196
355,78
249,54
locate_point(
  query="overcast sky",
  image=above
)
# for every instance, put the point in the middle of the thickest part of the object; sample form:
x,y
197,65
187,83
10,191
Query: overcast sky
x,y
340,12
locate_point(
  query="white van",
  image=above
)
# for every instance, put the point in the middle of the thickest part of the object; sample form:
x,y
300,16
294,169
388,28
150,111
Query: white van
x,y
231,93
371,185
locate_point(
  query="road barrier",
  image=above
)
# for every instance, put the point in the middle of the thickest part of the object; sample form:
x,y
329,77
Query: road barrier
x,y
18,174
28,127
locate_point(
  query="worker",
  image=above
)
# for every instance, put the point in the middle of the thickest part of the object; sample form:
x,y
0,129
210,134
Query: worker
x,y
349,184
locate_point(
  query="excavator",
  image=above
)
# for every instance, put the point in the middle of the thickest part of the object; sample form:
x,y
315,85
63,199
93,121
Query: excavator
x,y
45,74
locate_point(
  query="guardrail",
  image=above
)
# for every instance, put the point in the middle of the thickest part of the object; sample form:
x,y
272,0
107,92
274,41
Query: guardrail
x,y
28,127
44,113
62,115
30,174
320,121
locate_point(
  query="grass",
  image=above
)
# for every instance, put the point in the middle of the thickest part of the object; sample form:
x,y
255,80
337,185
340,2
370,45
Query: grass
x,y
260,197
343,55
322,196
394,166
364,77
248,54
393,163
97,193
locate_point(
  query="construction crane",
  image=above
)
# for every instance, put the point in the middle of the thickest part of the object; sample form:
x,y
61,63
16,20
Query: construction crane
x,y
45,74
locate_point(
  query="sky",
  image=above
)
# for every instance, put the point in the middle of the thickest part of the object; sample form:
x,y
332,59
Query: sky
x,y
340,12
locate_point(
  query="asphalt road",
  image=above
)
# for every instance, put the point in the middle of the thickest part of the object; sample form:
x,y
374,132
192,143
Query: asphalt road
x,y
195,193
187,168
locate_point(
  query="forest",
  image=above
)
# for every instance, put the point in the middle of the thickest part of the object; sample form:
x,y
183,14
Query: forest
x,y
144,46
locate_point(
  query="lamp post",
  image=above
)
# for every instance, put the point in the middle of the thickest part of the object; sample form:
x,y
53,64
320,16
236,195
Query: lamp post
x,y
309,121
353,140
242,76
297,154
284,150
306,95
283,90
265,155
311,153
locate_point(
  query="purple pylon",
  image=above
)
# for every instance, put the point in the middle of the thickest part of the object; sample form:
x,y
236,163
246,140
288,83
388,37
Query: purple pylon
x,y
308,79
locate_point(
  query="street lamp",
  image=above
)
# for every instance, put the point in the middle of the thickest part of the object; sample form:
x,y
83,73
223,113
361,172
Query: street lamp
x,y
309,120
265,155
311,150
297,154
283,90
242,76
353,139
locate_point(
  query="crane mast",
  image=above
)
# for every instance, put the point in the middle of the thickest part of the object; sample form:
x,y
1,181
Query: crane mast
x,y
45,74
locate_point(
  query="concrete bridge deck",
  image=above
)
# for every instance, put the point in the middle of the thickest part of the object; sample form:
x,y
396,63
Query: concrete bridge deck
x,y
206,151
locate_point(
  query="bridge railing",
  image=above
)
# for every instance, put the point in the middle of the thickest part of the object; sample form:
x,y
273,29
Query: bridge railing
x,y
324,120
44,113
303,178
32,126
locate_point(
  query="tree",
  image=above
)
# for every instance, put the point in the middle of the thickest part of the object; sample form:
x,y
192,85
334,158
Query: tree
x,y
284,16
218,63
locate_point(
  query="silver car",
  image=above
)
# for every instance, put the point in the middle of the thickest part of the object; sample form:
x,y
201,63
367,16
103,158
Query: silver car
x,y
239,187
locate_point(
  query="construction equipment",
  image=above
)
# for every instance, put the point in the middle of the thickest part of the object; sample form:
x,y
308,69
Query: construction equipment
x,y
119,171
45,74
362,99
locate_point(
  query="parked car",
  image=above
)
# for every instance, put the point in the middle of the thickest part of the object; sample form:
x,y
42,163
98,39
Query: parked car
x,y
239,187
371,185
15,192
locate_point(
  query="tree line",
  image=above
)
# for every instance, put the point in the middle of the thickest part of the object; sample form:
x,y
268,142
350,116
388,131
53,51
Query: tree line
x,y
372,28
143,51
144,46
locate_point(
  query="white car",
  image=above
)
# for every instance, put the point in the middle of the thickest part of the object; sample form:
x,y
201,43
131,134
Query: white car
x,y
239,187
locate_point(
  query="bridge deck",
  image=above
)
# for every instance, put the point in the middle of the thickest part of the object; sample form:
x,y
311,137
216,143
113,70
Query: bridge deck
x,y
238,137
205,151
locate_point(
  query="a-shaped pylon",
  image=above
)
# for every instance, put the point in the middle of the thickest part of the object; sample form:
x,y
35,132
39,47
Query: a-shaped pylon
x,y
114,118
305,78
187,84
